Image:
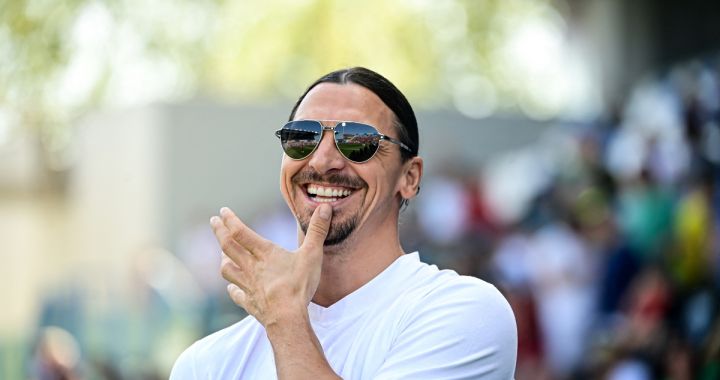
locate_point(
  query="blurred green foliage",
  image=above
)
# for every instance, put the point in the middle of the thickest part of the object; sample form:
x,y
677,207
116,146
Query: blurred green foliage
x,y
60,59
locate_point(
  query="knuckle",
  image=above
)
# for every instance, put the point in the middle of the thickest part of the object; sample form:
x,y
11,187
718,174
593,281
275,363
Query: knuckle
x,y
226,270
237,232
226,244
317,229
224,259
266,245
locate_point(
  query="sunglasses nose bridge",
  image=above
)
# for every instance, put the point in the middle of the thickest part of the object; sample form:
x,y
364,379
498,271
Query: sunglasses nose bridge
x,y
331,130
326,156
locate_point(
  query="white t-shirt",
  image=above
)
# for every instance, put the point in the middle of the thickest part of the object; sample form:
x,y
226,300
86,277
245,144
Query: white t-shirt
x,y
412,321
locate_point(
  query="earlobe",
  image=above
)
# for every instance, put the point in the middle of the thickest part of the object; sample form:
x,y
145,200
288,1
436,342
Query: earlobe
x,y
410,181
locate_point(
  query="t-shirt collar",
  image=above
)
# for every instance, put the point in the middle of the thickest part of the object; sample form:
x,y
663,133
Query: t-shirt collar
x,y
388,280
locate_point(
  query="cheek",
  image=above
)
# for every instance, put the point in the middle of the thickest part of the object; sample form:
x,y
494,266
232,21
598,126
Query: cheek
x,y
288,169
382,182
380,191
387,179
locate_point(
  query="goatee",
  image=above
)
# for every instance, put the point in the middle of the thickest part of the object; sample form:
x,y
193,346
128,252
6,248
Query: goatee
x,y
338,233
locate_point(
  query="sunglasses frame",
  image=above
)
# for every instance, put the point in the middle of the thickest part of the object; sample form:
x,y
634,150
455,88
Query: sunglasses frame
x,y
332,128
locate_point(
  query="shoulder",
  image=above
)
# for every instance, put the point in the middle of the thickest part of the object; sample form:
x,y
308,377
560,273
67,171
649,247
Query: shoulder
x,y
456,326
209,352
433,290
472,304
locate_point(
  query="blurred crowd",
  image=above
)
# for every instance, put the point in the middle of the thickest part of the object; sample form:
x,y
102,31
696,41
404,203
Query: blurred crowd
x,y
604,236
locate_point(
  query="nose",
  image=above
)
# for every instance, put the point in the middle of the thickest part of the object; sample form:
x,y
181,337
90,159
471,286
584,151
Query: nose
x,y
326,157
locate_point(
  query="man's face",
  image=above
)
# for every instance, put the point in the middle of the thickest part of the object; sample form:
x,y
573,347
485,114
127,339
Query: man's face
x,y
364,194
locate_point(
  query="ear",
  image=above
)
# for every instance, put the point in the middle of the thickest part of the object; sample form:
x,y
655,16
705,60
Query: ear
x,y
409,183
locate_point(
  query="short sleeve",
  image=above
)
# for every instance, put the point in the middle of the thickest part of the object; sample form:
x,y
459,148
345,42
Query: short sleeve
x,y
463,331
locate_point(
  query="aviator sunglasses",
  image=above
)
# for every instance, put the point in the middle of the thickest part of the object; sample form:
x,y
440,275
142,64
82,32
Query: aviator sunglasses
x,y
357,142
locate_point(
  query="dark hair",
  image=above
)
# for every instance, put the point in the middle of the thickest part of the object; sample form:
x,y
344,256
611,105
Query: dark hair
x,y
405,121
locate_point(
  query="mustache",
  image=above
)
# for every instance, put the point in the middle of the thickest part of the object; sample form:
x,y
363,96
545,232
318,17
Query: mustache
x,y
331,179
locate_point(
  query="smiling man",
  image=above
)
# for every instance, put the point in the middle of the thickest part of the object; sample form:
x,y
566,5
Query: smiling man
x,y
349,303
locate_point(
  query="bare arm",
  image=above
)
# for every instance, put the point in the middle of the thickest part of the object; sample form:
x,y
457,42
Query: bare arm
x,y
298,354
276,286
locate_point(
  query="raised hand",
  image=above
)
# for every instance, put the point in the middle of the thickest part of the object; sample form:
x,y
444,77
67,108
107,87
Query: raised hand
x,y
266,280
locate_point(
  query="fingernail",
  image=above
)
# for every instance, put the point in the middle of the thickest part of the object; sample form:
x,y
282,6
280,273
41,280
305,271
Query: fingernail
x,y
224,210
214,219
325,211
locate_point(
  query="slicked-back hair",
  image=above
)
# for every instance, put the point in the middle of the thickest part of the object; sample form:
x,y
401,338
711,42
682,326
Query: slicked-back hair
x,y
404,119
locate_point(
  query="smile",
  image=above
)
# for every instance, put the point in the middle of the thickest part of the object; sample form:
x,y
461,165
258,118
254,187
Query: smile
x,y
327,194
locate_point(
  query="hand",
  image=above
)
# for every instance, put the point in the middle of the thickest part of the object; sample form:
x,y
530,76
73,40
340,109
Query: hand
x,y
265,279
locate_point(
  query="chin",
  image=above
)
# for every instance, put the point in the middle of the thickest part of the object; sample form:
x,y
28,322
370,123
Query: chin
x,y
339,232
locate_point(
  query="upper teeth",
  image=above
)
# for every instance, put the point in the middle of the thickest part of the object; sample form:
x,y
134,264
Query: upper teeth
x,y
327,191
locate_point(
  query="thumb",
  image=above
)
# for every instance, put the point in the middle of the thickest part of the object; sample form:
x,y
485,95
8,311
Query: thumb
x,y
318,229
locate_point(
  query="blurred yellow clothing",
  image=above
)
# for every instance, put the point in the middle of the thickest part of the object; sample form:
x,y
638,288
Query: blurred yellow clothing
x,y
692,232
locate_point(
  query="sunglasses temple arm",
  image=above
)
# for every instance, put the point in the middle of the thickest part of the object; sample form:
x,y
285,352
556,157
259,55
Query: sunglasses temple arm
x,y
397,142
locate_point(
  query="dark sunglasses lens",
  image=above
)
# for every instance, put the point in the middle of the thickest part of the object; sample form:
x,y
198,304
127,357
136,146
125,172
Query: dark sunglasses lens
x,y
358,142
299,138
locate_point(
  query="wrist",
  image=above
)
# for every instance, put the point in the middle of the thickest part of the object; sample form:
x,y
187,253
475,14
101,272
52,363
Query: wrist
x,y
295,344
287,315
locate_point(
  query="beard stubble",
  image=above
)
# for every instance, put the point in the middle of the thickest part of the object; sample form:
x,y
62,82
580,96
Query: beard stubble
x,y
339,230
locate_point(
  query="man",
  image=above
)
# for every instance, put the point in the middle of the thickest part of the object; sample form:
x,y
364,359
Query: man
x,y
349,303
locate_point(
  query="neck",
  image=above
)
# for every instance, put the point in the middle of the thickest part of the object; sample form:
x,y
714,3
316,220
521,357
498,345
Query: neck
x,y
356,261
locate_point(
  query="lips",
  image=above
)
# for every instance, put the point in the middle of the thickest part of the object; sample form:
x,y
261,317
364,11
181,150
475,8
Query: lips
x,y
333,187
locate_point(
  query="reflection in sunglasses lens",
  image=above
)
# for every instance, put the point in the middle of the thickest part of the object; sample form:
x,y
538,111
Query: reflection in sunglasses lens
x,y
357,142
299,139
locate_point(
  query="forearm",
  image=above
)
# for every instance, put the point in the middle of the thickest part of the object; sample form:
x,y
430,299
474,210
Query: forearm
x,y
275,286
297,350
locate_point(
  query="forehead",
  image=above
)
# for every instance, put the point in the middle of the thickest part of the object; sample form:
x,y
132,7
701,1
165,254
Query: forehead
x,y
350,102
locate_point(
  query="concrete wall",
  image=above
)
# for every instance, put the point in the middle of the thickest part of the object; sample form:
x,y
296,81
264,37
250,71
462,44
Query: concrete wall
x,y
143,177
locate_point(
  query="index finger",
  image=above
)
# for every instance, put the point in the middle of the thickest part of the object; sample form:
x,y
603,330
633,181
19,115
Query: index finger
x,y
243,234
230,248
